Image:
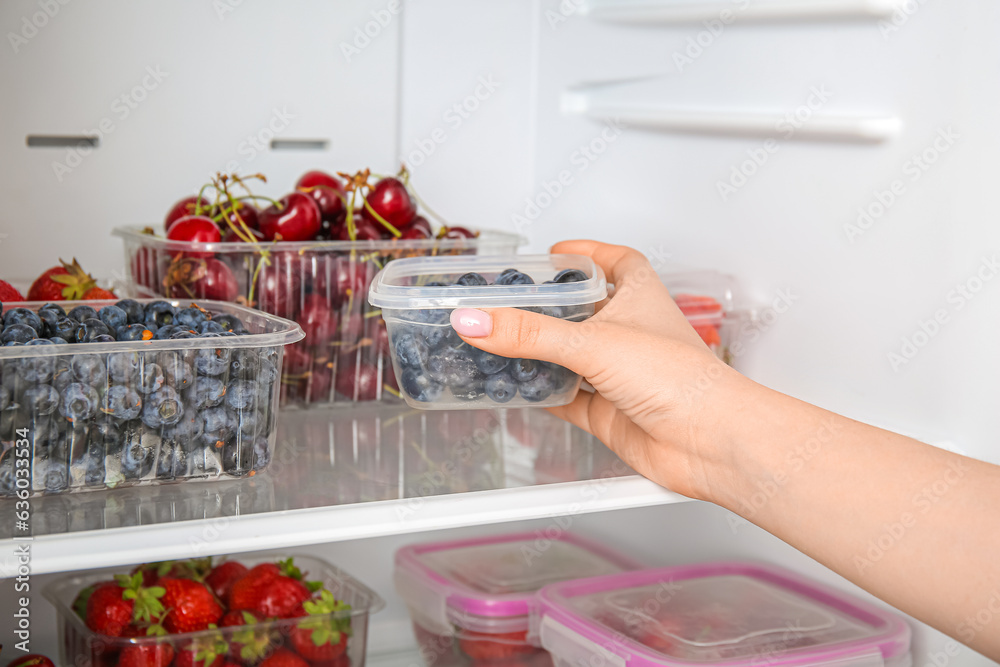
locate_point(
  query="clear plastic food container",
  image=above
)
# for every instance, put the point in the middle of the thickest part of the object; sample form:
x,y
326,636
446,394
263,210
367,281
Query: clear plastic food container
x,y
110,414
736,614
712,305
469,600
319,284
436,369
82,646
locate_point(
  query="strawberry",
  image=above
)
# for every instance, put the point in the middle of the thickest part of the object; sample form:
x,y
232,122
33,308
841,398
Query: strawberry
x,y
99,293
245,589
146,655
273,591
31,660
246,645
8,293
194,568
61,283
495,646
223,576
83,596
190,606
113,606
208,651
284,658
322,639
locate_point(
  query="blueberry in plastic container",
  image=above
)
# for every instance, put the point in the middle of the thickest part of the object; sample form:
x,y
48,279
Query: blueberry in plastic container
x,y
207,392
113,317
501,387
490,363
134,332
163,407
41,399
82,312
88,369
121,402
134,311
79,402
471,279
18,333
538,388
212,361
524,370
241,395
171,462
190,317
23,316
411,351
513,277
160,313
419,386
454,367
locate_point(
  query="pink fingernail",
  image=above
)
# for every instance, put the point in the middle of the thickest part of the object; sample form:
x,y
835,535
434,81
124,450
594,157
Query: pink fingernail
x,y
471,323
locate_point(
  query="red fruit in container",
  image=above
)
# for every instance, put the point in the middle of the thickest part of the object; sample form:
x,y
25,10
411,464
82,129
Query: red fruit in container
x,y
326,190
458,233
318,321
478,645
297,219
244,211
190,606
320,381
379,335
194,229
358,382
98,294
279,286
420,223
31,660
269,590
351,280
188,206
284,658
321,640
9,294
144,268
200,655
196,278
247,646
232,237
66,282
146,655
415,233
351,327
390,200
223,576
364,230
297,359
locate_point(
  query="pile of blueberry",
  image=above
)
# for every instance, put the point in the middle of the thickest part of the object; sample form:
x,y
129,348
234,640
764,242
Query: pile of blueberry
x,y
432,358
120,417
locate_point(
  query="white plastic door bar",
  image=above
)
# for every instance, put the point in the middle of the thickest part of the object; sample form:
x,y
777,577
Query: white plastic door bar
x,y
686,11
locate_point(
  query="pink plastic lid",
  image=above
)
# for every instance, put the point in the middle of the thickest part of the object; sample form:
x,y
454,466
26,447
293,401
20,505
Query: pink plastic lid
x,y
497,576
732,613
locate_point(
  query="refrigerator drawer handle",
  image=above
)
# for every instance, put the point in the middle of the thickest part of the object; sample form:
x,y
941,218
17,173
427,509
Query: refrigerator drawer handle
x,y
687,11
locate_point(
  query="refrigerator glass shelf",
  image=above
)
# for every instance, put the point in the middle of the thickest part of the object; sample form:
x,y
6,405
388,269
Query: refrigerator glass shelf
x,y
341,474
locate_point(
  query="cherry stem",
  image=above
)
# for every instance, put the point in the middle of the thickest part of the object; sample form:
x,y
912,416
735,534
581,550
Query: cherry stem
x,y
197,203
395,232
272,202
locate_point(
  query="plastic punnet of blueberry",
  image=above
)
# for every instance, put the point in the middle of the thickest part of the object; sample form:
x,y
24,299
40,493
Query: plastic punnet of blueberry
x,y
90,416
436,369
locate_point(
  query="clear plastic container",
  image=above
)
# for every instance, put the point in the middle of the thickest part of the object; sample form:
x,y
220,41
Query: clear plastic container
x,y
736,614
57,407
469,600
438,371
82,646
319,284
711,303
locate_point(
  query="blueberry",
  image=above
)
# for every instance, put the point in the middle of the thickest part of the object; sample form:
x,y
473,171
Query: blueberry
x,y
4,398
490,363
268,372
159,313
18,333
151,377
453,366
210,326
214,360
178,372
187,431
121,403
134,311
66,329
166,331
238,457
81,313
123,367
524,370
88,369
562,312
113,317
220,425
250,422
79,402
411,352
241,396
538,388
514,278
103,338
440,336
471,280
208,392
507,272
22,316
62,374
261,453
181,334
90,329
134,332
162,408
37,369
570,276
50,321
53,307
563,378
501,387
189,318
471,391
42,399
172,460
138,451
8,479
230,323
56,340
419,386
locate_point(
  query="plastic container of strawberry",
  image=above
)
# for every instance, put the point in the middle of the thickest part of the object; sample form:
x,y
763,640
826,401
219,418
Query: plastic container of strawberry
x,y
98,415
334,638
322,285
469,600
737,614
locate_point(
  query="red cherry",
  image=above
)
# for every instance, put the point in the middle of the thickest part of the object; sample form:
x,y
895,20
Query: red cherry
x,y
351,328
390,200
320,381
279,286
298,219
210,278
194,229
459,233
326,190
420,222
297,359
380,335
184,207
358,382
414,233
247,212
318,321
365,230
350,280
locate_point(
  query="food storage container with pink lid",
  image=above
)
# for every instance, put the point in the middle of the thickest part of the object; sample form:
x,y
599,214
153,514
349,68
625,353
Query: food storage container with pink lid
x,y
470,599
735,614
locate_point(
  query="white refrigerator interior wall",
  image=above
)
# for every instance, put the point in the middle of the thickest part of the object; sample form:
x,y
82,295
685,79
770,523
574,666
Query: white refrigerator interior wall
x,y
874,260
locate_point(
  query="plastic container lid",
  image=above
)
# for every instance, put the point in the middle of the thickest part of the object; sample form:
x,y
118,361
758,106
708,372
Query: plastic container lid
x,y
732,613
402,284
488,584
